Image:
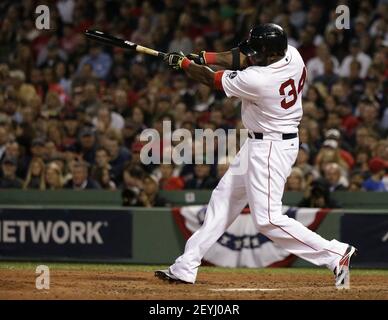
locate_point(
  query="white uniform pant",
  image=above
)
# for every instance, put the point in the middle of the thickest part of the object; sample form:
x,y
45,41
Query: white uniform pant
x,y
269,163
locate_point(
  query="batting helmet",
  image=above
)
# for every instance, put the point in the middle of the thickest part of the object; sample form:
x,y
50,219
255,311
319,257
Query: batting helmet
x,y
265,40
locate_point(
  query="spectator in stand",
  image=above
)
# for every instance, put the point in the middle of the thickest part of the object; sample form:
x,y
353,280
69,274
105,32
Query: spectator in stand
x,y
50,55
307,47
334,178
136,148
102,176
362,137
167,179
335,134
71,126
329,75
303,162
133,177
66,10
88,144
35,175
356,181
143,33
357,54
363,155
13,150
107,119
70,39
330,153
369,116
53,145
317,195
90,101
381,150
38,149
101,171
373,92
180,42
100,61
204,98
354,78
202,178
121,104
102,159
119,156
9,180
80,179
341,91
297,16
129,133
316,66
138,117
349,122
53,177
3,139
377,167
63,78
149,197
295,181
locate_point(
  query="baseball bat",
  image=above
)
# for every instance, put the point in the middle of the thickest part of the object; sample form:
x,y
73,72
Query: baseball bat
x,y
108,39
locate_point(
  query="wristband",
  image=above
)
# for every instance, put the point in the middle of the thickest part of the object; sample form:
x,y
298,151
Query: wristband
x,y
210,57
185,63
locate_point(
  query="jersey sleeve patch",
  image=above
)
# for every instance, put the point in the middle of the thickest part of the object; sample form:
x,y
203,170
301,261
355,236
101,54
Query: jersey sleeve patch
x,y
232,75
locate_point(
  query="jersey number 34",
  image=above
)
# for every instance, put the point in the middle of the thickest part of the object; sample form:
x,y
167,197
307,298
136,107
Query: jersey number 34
x,y
289,87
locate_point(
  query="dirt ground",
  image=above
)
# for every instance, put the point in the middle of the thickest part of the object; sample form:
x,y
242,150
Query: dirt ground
x,y
142,285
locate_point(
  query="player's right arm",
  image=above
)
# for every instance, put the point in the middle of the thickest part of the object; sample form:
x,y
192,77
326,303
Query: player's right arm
x,y
232,59
240,84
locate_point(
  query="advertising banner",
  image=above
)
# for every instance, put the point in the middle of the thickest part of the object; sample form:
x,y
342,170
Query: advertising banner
x,y
65,234
369,234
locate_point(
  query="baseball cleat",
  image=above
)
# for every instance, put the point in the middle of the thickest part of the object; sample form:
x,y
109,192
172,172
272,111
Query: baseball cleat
x,y
166,275
342,271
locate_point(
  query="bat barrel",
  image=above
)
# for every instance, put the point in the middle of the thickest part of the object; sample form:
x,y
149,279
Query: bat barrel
x,y
108,39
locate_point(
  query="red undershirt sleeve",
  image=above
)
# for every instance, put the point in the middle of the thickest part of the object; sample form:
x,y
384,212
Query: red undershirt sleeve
x,y
218,80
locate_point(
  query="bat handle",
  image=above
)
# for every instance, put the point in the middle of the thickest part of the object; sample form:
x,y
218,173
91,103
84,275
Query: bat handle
x,y
162,55
149,51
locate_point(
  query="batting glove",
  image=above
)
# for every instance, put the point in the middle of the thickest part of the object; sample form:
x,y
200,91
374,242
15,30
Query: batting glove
x,y
174,60
197,58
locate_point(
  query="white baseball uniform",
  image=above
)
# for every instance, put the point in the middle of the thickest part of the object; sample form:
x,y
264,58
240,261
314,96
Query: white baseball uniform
x,y
271,104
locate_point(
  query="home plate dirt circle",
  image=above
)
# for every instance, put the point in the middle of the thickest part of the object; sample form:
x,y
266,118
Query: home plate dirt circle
x,y
244,289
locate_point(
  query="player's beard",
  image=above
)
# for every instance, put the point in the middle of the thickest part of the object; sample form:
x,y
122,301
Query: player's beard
x,y
255,60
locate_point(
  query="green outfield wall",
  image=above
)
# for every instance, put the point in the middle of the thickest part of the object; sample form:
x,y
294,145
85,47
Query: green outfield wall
x,y
155,236
351,200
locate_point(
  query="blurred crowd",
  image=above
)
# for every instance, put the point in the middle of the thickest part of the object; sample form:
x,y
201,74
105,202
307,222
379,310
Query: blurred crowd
x,y
71,111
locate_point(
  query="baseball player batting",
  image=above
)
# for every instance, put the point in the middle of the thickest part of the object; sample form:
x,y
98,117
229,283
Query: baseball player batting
x,y
270,87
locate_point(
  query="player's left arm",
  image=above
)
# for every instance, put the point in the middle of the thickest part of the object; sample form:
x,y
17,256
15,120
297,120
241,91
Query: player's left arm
x,y
232,59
